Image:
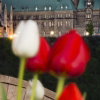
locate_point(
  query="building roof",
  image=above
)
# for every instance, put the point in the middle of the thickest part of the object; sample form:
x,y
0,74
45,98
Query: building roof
x,y
81,4
40,5
65,5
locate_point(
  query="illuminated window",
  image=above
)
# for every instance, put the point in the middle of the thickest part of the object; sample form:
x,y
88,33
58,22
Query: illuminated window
x,y
66,7
49,8
45,8
45,24
67,24
58,24
61,6
61,23
45,16
50,24
58,15
89,3
67,15
59,33
36,8
88,15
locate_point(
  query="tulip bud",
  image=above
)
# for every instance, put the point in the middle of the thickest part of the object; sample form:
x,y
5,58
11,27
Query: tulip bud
x,y
71,92
38,63
26,39
68,55
39,90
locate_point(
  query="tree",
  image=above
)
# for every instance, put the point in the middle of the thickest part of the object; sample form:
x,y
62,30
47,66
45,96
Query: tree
x,y
89,27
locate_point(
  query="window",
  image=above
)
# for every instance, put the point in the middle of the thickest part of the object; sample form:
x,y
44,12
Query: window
x,y
43,24
59,33
59,16
22,17
88,11
19,17
37,16
67,16
89,3
28,17
34,17
36,8
43,33
88,16
49,8
51,16
43,16
61,6
45,8
51,24
61,23
58,24
67,24
66,7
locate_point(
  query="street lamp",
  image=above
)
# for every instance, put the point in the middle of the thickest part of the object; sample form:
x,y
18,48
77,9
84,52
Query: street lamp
x,y
51,33
11,36
87,33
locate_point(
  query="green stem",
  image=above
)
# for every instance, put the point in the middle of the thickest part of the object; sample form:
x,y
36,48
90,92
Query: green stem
x,y
35,77
84,95
20,78
60,86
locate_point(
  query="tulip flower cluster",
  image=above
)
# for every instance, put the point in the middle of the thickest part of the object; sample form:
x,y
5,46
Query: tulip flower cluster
x,y
67,58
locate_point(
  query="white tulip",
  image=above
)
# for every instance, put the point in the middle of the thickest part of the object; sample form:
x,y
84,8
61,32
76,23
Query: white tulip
x,y
26,39
39,90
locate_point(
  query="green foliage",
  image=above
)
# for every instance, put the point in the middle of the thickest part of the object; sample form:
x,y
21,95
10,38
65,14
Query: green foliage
x,y
88,82
89,27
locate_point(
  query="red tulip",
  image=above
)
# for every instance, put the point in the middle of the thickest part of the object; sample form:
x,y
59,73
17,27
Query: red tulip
x,y
38,63
71,92
68,55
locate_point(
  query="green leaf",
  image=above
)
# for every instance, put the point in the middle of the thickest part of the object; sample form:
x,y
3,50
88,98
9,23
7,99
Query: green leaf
x,y
2,92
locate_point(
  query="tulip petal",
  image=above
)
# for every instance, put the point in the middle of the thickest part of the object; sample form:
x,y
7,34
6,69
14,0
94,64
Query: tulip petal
x,y
26,44
69,54
71,92
38,63
39,90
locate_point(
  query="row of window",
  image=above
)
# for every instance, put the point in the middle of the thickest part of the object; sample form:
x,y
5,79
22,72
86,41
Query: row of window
x,y
66,15
52,33
51,24
20,17
59,24
50,8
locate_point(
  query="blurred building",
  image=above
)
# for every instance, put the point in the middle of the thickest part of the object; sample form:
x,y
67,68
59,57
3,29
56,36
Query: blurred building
x,y
54,17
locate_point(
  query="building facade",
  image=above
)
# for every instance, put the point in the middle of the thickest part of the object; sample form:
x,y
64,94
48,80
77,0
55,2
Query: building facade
x,y
54,17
